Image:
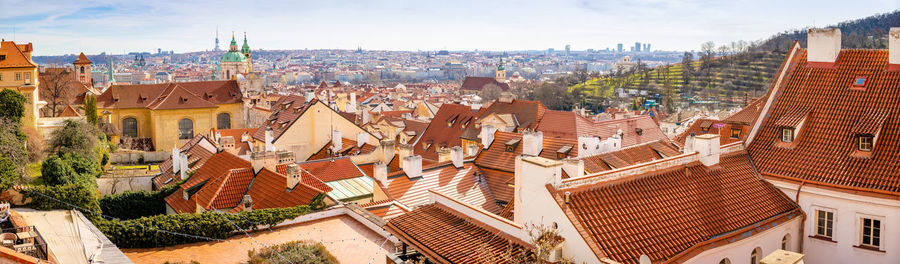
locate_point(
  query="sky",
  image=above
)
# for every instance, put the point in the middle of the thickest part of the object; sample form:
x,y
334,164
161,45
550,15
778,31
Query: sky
x,y
69,27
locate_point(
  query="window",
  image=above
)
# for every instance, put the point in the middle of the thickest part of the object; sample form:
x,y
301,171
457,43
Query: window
x,y
129,127
871,233
2,57
865,142
512,144
82,69
735,132
223,121
786,242
725,261
1,76
18,76
787,135
185,129
27,76
859,83
754,256
824,223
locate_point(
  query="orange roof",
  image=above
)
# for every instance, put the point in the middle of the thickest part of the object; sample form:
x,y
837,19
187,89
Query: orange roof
x,y
180,95
635,130
527,115
444,130
834,115
676,208
629,156
236,133
460,184
225,191
269,190
496,156
82,59
329,170
446,236
15,56
306,177
386,209
348,148
215,166
197,156
285,111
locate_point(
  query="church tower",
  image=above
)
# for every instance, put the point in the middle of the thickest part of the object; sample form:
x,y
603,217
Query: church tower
x,y
234,62
501,72
83,70
246,51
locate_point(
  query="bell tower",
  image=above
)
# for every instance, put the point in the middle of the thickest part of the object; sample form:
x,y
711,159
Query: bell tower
x,y
501,72
83,70
246,51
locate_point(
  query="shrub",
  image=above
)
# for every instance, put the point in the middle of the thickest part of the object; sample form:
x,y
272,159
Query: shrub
x,y
292,252
136,204
56,171
78,137
104,159
143,232
34,143
8,174
85,167
12,143
78,194
12,105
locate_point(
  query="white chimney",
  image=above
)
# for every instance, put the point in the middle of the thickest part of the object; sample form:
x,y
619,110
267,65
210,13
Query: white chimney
x,y
456,155
708,147
530,195
533,143
574,168
336,141
309,96
293,175
406,150
218,135
689,144
176,160
387,150
443,154
894,46
413,166
361,139
381,171
263,159
270,138
823,44
352,105
184,166
366,116
487,135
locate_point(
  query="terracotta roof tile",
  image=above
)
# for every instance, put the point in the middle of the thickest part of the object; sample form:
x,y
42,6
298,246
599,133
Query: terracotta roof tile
x,y
142,95
329,170
269,190
629,156
439,134
496,156
460,184
15,56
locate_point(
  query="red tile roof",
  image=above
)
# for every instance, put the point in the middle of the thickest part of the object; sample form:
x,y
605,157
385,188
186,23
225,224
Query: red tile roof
x,y
15,55
285,111
82,59
446,237
439,134
348,148
636,130
496,157
460,184
215,166
668,211
527,114
306,177
171,95
629,156
226,191
269,190
386,209
823,150
329,170
236,133
197,156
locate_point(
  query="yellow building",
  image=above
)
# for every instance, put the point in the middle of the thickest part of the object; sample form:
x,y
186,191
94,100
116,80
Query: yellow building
x,y
170,114
19,72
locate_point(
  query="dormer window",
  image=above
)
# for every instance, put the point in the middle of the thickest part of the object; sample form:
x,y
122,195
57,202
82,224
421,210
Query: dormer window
x,y
512,144
865,142
787,134
735,132
563,152
859,83
639,131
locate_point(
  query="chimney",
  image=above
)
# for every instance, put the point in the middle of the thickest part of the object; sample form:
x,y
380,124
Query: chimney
x,y
309,96
413,166
387,150
406,150
487,135
361,139
247,203
574,168
184,166
531,179
456,155
270,138
292,172
218,135
381,172
894,46
176,160
245,137
285,156
506,97
472,150
336,141
443,154
227,144
533,143
689,143
708,147
263,159
823,44
352,106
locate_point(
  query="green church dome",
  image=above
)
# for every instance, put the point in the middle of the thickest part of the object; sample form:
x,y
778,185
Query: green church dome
x,y
233,57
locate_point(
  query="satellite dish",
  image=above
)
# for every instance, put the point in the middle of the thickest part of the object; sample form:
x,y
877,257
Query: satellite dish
x,y
645,259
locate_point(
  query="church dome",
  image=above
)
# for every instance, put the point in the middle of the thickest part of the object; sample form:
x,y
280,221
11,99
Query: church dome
x,y
233,57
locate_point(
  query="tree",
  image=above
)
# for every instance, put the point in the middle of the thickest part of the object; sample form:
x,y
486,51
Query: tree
x,y
687,68
90,109
82,165
78,137
490,92
8,174
12,105
12,143
56,171
56,85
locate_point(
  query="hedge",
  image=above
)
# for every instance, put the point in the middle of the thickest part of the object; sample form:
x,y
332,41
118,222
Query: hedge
x,y
142,233
78,194
136,204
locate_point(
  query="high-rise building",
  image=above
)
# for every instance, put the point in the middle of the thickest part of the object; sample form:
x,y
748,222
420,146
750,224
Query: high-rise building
x,y
568,49
217,39
646,47
637,47
620,46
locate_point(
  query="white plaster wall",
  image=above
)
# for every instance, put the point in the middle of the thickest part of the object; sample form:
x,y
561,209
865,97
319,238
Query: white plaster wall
x,y
739,252
848,209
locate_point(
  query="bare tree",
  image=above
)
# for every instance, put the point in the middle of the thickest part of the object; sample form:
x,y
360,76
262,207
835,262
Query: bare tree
x,y
55,85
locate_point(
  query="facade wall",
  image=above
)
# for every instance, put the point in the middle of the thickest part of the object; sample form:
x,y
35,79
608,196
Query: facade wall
x,y
162,125
26,86
848,209
768,241
312,131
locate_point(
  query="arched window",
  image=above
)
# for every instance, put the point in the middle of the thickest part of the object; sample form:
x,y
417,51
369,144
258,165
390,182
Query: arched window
x,y
786,242
725,261
755,255
223,121
82,69
185,129
129,127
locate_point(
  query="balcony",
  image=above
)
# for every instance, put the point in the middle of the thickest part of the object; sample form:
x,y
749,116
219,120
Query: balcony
x,y
26,240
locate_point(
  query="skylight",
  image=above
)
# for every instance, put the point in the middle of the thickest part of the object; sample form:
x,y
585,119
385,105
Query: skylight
x,y
859,83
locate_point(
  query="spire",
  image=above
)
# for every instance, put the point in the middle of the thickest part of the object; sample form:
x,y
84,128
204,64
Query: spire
x,y
233,47
500,68
246,48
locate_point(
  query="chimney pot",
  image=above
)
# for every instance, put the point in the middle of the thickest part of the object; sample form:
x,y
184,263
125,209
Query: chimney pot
x,y
381,171
487,135
336,141
292,173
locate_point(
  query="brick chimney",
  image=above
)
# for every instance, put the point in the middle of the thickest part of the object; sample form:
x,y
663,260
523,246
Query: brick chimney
x,y
227,144
823,44
487,135
708,147
894,46
456,155
413,166
293,175
533,143
263,159
361,139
